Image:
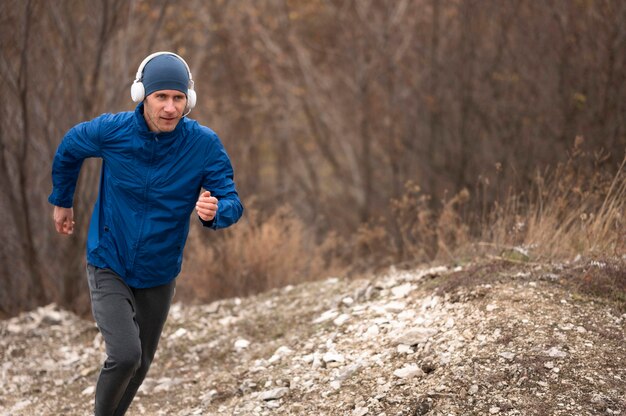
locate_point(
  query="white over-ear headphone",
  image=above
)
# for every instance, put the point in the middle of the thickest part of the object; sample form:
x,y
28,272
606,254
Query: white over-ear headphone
x,y
138,92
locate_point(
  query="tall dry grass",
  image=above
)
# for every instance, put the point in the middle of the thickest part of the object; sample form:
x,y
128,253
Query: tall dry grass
x,y
259,253
575,209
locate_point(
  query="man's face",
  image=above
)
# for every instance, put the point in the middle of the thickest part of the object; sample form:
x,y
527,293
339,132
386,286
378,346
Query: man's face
x,y
163,109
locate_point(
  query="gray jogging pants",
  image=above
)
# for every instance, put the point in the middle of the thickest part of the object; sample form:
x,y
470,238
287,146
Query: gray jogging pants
x,y
131,321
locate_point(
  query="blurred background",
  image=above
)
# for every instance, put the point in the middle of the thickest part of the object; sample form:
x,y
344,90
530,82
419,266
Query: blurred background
x,y
363,133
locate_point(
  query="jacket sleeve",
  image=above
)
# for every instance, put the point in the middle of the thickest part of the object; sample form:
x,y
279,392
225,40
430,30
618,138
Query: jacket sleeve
x,y
80,142
218,178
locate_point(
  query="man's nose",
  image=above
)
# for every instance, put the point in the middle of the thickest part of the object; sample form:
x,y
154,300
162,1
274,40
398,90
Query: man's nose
x,y
169,106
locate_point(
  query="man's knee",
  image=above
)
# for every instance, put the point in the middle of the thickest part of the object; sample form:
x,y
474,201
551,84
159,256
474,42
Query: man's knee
x,y
128,360
145,363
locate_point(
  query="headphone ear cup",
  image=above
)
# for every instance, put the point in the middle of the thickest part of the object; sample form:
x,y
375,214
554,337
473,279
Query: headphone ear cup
x,y
137,91
191,99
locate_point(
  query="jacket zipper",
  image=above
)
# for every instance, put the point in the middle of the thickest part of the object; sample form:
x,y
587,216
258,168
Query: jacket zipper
x,y
145,204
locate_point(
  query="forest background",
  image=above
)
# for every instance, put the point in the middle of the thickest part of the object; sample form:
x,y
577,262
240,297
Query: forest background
x,y
363,133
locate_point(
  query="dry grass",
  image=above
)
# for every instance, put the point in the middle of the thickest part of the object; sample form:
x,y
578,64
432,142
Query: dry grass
x,y
577,209
257,254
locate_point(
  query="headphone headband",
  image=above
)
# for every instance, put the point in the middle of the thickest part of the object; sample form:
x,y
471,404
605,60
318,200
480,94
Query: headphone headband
x,y
139,74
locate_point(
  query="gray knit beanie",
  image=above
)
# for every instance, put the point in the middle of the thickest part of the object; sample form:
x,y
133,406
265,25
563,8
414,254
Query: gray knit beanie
x,y
165,72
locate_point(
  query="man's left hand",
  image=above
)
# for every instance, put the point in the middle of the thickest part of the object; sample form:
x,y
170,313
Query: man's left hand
x,y
206,206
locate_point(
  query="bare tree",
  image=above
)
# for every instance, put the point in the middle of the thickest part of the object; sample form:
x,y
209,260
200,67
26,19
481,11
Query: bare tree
x,y
327,106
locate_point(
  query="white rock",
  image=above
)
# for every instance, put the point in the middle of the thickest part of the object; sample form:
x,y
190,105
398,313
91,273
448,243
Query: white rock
x,y
257,369
491,307
468,334
349,371
408,371
228,320
272,404
430,302
415,336
408,314
507,355
395,307
14,328
554,352
326,316
360,411
404,349
330,357
597,399
166,383
50,316
317,363
335,384
147,386
279,354
241,344
98,341
20,405
341,319
473,389
347,301
372,332
211,308
274,394
88,391
381,321
178,333
494,410
402,290
208,397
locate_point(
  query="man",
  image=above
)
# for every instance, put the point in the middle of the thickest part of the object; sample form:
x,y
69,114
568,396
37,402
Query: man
x,y
155,163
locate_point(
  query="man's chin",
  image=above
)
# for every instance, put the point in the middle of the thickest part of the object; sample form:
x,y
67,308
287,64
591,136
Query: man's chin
x,y
167,126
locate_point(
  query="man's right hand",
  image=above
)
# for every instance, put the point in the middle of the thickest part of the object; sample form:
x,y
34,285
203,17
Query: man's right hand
x,y
64,220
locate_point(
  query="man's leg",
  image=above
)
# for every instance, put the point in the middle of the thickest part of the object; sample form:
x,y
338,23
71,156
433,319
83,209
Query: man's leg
x,y
152,307
113,307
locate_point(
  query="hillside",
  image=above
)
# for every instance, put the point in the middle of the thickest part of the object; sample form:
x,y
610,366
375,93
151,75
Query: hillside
x,y
494,337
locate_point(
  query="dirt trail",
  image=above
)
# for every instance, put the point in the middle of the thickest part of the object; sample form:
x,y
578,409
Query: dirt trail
x,y
494,337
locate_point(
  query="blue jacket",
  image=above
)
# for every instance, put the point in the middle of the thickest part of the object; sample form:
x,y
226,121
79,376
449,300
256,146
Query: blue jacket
x,y
149,186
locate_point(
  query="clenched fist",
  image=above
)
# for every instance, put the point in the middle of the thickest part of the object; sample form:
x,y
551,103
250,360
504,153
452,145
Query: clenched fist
x,y
64,220
206,206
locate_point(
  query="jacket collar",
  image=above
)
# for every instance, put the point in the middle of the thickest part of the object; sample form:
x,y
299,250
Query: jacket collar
x,y
145,132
